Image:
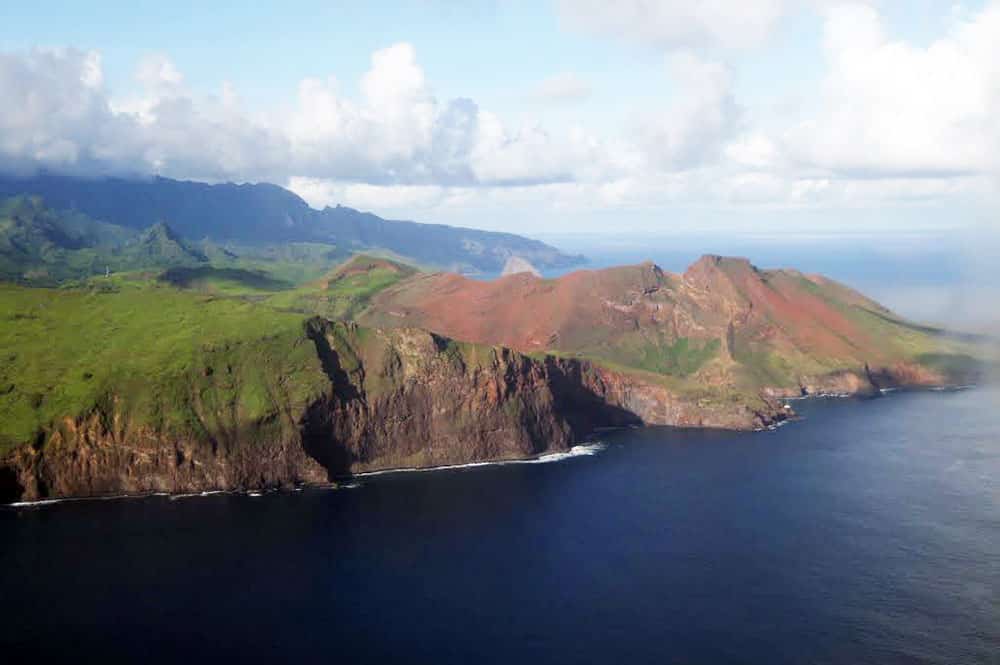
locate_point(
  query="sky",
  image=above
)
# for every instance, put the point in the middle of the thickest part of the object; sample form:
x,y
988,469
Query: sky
x,y
570,116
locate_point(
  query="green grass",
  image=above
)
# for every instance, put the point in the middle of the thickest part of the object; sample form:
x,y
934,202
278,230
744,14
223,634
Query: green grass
x,y
168,359
343,298
201,350
679,357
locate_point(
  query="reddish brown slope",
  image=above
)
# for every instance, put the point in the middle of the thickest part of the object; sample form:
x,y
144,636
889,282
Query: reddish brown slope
x,y
522,311
722,321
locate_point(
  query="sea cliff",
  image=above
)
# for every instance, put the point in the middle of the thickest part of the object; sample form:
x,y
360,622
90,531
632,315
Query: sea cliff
x,y
387,399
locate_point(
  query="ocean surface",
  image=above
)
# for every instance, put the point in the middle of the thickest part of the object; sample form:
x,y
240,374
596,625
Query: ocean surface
x,y
867,532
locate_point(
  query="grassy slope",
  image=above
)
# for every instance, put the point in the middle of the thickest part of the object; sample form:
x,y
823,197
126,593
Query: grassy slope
x,y
198,350
345,291
171,359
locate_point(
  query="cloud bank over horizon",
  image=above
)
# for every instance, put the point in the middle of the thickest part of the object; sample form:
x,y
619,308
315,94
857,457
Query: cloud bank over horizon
x,y
890,123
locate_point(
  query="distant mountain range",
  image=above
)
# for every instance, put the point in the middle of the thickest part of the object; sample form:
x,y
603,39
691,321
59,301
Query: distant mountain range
x,y
39,245
264,214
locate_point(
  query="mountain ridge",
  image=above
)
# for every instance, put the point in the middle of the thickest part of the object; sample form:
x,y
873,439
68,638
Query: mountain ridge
x,y
264,213
722,322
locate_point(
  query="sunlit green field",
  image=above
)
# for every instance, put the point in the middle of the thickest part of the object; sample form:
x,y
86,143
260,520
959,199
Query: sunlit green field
x,y
159,351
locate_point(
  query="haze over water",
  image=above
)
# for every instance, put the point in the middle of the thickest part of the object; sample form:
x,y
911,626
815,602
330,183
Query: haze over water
x,y
868,532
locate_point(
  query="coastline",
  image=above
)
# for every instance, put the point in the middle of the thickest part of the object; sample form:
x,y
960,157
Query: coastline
x,y
588,448
345,482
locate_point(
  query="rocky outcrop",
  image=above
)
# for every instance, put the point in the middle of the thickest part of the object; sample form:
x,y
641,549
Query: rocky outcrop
x,y
408,398
654,403
866,381
516,264
97,456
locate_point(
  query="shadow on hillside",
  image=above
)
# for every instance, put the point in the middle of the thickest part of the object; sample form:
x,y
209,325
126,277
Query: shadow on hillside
x,y
186,277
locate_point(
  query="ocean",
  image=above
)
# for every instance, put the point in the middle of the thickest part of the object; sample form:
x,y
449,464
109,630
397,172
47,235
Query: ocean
x,y
868,531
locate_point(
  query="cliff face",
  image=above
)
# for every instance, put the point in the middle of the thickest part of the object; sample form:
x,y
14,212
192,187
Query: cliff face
x,y
395,398
653,402
407,398
91,456
866,381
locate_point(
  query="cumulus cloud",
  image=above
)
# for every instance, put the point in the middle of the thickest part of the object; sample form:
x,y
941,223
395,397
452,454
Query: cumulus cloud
x,y
892,109
676,23
57,115
891,122
704,115
320,193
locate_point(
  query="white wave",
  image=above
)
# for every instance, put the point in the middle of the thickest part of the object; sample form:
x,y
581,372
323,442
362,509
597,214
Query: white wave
x,y
69,499
774,426
40,502
952,389
575,451
582,450
192,495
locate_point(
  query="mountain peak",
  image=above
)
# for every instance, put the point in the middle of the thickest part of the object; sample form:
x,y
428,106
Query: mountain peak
x,y
366,264
718,261
265,214
160,242
713,270
160,230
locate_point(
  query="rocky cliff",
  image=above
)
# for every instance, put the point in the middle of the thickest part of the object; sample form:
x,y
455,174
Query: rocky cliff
x,y
387,399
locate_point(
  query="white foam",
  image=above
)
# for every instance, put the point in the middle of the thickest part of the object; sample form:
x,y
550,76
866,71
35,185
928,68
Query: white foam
x,y
41,502
774,426
952,389
191,495
575,451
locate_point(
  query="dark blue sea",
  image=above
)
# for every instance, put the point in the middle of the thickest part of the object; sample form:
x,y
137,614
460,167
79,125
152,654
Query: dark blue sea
x,y
867,532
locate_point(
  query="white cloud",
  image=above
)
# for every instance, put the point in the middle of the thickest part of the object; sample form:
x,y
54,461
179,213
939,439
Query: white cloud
x,y
677,23
893,123
891,109
157,72
566,87
704,115
55,115
387,199
401,133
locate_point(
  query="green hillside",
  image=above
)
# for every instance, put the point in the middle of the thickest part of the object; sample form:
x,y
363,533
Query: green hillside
x,y
172,359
